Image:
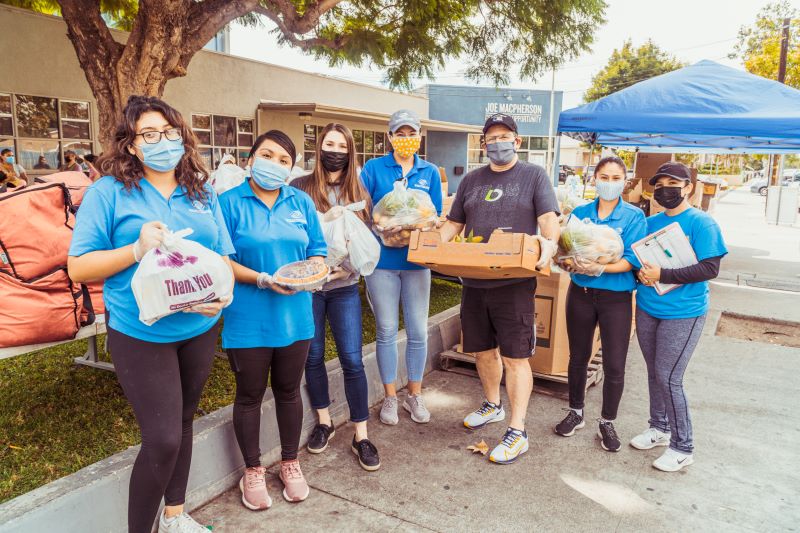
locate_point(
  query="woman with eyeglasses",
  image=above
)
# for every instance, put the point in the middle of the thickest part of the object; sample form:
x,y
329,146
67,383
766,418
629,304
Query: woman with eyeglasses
x,y
396,281
268,328
154,180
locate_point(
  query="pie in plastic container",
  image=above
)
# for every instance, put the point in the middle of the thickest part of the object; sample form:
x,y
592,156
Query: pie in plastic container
x,y
302,275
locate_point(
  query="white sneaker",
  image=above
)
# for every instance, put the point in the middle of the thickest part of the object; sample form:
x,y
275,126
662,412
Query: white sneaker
x,y
183,523
649,439
415,405
513,444
389,411
672,461
485,414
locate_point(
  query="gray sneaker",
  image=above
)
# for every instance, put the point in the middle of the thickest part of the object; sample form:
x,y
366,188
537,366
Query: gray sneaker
x,y
416,406
389,411
183,523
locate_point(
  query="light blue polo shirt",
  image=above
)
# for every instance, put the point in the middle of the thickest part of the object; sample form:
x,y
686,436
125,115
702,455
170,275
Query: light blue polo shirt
x,y
379,175
111,217
629,222
689,300
266,239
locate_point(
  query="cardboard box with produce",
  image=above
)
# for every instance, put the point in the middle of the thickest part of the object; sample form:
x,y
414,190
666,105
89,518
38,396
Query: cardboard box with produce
x,y
505,255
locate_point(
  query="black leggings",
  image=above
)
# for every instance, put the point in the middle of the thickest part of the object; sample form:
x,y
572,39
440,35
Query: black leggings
x,y
613,311
163,383
253,367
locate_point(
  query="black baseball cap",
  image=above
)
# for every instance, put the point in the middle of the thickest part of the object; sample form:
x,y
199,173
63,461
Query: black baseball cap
x,y
672,169
500,118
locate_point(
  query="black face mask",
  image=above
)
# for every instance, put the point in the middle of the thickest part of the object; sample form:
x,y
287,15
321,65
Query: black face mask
x,y
334,161
669,197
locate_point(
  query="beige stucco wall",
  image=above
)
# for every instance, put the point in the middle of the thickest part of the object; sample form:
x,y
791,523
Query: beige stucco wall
x,y
37,58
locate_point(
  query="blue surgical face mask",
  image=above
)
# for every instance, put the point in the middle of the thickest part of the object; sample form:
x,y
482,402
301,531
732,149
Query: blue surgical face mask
x,y
162,156
10,159
268,175
501,153
609,190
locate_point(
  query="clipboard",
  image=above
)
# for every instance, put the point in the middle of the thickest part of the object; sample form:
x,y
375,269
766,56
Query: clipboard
x,y
667,248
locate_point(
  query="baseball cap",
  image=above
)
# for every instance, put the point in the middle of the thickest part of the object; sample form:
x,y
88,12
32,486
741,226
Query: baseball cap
x,y
672,169
403,117
500,118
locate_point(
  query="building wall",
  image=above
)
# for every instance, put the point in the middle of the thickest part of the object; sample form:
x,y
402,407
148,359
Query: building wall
x,y
448,150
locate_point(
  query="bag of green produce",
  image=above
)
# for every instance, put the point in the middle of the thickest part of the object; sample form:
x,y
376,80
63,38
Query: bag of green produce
x,y
586,241
400,212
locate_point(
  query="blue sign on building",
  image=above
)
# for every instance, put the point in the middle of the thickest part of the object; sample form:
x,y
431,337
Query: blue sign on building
x,y
459,153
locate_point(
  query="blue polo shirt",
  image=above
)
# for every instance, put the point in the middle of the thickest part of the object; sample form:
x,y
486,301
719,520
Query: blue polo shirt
x,y
379,175
689,300
111,217
266,239
630,223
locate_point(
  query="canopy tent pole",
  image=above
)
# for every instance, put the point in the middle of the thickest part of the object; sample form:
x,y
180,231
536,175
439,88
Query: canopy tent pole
x,y
586,170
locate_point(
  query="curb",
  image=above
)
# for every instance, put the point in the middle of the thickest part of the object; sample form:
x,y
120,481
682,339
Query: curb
x,y
94,499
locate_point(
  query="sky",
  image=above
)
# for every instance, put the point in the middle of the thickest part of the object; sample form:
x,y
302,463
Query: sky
x,y
690,30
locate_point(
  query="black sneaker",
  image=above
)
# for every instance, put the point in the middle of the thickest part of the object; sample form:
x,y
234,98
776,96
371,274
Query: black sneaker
x,y
320,437
608,437
367,454
572,422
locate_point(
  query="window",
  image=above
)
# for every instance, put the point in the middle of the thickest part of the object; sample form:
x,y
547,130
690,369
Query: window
x,y
40,128
369,145
218,135
532,149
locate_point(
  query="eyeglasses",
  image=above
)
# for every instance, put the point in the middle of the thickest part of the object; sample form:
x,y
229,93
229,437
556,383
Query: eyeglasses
x,y
153,137
506,137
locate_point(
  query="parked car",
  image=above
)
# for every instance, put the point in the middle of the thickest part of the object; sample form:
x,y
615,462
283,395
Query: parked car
x,y
760,185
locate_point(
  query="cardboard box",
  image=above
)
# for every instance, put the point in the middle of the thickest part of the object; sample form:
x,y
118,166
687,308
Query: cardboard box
x,y
552,344
633,191
645,167
447,203
505,255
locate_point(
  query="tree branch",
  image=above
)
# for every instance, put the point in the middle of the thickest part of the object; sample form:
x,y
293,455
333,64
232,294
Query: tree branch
x,y
304,44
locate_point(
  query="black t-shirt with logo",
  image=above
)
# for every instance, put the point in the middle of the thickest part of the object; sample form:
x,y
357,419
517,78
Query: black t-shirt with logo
x,y
511,200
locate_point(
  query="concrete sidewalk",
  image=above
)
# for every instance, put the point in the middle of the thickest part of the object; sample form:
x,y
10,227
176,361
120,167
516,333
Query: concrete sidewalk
x,y
746,416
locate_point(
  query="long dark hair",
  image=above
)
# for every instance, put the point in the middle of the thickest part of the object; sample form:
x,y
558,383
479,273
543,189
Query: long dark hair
x,y
127,168
351,188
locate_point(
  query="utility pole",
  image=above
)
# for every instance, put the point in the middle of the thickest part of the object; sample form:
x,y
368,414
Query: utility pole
x,y
777,177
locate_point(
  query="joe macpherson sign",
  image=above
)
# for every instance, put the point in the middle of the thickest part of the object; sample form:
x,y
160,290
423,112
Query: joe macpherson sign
x,y
522,113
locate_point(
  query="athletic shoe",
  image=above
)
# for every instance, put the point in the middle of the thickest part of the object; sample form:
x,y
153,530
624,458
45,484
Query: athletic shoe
x,y
183,523
320,437
513,444
295,488
649,439
415,405
389,411
254,489
367,454
571,423
672,461
485,414
608,437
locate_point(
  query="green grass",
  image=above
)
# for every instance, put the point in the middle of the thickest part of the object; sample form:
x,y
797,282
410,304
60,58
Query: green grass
x,y
56,419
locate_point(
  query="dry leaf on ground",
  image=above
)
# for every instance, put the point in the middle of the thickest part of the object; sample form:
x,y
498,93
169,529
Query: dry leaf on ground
x,y
481,448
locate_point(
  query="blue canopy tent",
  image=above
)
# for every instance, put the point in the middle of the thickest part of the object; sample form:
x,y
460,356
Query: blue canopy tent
x,y
705,107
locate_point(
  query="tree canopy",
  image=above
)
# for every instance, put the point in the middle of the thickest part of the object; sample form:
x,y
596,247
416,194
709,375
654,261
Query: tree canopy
x,y
629,65
759,44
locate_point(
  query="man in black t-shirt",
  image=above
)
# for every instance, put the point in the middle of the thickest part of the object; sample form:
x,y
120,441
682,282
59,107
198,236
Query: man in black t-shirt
x,y
517,197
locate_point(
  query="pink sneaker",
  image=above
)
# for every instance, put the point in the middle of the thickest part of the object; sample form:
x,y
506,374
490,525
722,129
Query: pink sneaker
x,y
254,489
295,486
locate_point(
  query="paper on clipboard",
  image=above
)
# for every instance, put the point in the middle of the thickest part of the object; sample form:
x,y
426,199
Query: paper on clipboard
x,y
667,248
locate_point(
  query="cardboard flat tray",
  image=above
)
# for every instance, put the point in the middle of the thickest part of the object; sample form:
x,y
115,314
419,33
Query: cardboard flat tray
x,y
505,255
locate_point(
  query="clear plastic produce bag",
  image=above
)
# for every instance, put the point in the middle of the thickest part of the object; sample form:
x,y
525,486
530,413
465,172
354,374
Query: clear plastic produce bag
x,y
589,242
350,242
179,274
403,208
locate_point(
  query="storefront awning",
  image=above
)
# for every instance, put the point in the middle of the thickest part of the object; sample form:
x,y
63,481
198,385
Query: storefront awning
x,y
343,114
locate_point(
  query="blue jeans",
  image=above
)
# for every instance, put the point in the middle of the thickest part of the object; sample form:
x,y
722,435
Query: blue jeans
x,y
667,346
342,307
387,290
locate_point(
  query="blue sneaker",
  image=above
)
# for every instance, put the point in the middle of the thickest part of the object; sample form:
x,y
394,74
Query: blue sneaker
x,y
513,444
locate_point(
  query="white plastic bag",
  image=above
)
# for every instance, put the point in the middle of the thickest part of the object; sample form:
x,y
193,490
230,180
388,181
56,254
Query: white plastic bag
x,y
350,242
227,176
179,274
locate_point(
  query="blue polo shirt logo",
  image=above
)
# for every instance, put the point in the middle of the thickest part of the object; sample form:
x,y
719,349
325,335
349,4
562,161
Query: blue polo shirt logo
x,y
422,184
199,207
297,217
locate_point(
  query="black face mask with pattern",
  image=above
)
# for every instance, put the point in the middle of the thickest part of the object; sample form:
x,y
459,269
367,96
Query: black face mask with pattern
x,y
669,197
334,161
